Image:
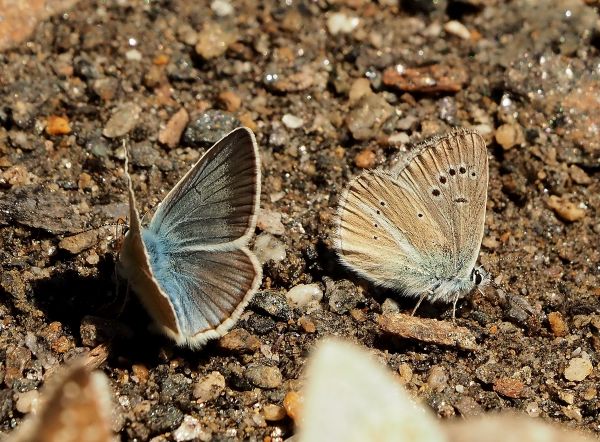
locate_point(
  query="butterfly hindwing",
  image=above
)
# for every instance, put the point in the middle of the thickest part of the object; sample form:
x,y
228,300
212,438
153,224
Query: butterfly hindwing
x,y
209,290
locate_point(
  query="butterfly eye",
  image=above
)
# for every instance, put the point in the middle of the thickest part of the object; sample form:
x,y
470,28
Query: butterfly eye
x,y
476,276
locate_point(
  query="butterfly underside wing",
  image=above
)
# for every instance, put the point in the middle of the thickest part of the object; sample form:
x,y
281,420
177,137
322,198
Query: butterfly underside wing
x,y
76,407
417,228
350,397
191,266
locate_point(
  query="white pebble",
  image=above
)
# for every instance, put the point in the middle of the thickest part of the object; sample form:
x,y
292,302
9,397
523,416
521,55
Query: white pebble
x,y
292,121
302,294
270,221
188,430
340,23
457,28
268,248
221,8
133,55
27,401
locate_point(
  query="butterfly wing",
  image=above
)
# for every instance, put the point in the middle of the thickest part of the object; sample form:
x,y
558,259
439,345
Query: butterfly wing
x,y
350,397
214,206
209,290
421,222
76,408
196,275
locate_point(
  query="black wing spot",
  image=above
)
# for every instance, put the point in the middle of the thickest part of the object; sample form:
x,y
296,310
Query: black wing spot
x,y
420,215
378,212
452,172
443,179
462,170
461,199
436,192
375,225
375,237
382,203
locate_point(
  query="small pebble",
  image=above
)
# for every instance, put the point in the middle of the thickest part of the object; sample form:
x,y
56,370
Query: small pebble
x,y
405,373
293,403
360,87
457,28
302,294
123,120
213,40
57,125
208,127
365,159
62,344
239,341
427,330
141,373
273,412
268,248
512,388
437,379
133,55
343,295
209,387
27,401
291,121
172,132
270,221
273,303
221,8
189,429
390,306
557,324
434,78
230,100
578,369
509,135
565,209
78,243
263,376
307,324
367,116
340,23
16,176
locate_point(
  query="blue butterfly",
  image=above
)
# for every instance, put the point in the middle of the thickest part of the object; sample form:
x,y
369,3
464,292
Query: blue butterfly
x,y
191,266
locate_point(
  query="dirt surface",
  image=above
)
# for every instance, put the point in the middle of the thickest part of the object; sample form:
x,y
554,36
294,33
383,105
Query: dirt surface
x,y
329,88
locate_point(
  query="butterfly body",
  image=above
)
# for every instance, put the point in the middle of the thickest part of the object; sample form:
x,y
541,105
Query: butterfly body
x,y
191,266
417,228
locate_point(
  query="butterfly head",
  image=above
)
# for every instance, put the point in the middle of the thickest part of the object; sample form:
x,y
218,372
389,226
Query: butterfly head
x,y
480,277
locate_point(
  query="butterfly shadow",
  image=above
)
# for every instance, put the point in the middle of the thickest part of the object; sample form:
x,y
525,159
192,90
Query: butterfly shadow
x,y
98,309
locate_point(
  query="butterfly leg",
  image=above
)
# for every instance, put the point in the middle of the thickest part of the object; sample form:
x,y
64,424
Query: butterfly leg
x,y
456,296
423,296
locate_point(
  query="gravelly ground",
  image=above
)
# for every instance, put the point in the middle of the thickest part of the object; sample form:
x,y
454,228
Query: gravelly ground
x,y
525,74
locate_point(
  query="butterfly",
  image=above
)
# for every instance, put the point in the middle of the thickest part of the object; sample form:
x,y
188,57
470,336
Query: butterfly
x,y
417,228
349,396
76,407
191,267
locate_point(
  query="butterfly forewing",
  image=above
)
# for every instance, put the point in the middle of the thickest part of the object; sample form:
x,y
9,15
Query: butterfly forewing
x,y
449,175
215,203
